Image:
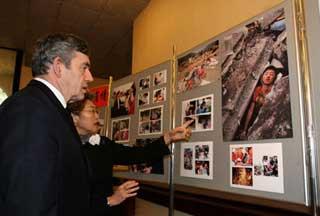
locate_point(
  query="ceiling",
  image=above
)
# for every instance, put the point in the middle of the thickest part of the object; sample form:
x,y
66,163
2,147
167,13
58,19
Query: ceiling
x,y
106,25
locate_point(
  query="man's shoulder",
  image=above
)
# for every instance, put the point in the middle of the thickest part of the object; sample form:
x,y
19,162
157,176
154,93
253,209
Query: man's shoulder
x,y
28,101
28,95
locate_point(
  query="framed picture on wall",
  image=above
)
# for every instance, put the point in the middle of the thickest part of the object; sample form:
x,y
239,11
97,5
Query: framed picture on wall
x,y
10,70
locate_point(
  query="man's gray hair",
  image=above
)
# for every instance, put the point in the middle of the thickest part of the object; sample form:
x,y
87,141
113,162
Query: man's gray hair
x,y
56,45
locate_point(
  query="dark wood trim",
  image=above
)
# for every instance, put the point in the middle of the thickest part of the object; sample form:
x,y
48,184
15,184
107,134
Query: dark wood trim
x,y
199,201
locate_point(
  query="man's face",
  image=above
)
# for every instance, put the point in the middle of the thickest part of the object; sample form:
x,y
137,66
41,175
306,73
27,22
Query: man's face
x,y
77,76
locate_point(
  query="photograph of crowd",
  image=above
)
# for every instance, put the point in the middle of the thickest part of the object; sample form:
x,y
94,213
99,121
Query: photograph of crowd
x,y
143,98
201,111
198,67
150,121
123,100
144,83
155,167
255,80
160,78
197,160
159,95
257,166
120,130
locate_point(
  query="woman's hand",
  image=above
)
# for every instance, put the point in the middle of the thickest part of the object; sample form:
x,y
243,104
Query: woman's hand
x,y
124,191
179,133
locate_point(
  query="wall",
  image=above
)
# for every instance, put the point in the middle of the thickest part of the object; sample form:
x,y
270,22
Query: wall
x,y
26,76
185,24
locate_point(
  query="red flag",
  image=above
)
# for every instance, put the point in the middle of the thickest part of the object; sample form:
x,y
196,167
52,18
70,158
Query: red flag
x,y
101,95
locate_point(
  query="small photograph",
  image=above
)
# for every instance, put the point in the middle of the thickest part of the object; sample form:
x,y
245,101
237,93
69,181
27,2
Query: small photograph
x,y
155,126
144,128
270,165
201,111
189,108
188,158
203,122
242,176
159,95
144,83
258,170
120,130
204,105
197,160
150,121
242,156
123,100
160,78
144,116
199,67
155,167
202,168
192,126
156,113
202,152
143,98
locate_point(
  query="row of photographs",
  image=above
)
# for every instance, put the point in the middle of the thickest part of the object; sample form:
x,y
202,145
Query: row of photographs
x,y
252,166
151,119
159,95
159,78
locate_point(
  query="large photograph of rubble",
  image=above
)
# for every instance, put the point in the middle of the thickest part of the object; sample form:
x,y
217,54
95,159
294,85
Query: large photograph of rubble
x,y
255,80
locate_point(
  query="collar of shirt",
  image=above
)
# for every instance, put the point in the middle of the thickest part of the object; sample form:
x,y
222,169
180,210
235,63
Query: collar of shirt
x,y
55,91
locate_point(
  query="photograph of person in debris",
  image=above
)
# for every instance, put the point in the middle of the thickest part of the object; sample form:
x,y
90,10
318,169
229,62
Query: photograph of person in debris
x,y
255,80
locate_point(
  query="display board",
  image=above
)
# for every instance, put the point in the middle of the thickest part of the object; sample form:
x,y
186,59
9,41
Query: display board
x,y
148,121
256,135
242,88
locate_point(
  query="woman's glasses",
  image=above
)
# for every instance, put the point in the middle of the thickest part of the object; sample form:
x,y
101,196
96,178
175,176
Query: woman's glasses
x,y
92,110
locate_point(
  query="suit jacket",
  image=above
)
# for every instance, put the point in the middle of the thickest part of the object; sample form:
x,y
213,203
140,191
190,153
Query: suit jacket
x,y
102,158
43,170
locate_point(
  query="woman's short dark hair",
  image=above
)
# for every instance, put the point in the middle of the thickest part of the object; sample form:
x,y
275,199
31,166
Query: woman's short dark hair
x,y
56,45
77,106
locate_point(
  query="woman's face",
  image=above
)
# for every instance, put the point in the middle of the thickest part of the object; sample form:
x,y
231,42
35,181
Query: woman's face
x,y
268,77
87,122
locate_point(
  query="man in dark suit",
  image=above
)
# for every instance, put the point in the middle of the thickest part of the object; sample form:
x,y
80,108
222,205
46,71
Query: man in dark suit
x,y
42,168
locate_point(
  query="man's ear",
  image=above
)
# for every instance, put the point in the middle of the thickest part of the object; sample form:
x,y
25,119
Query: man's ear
x,y
57,66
